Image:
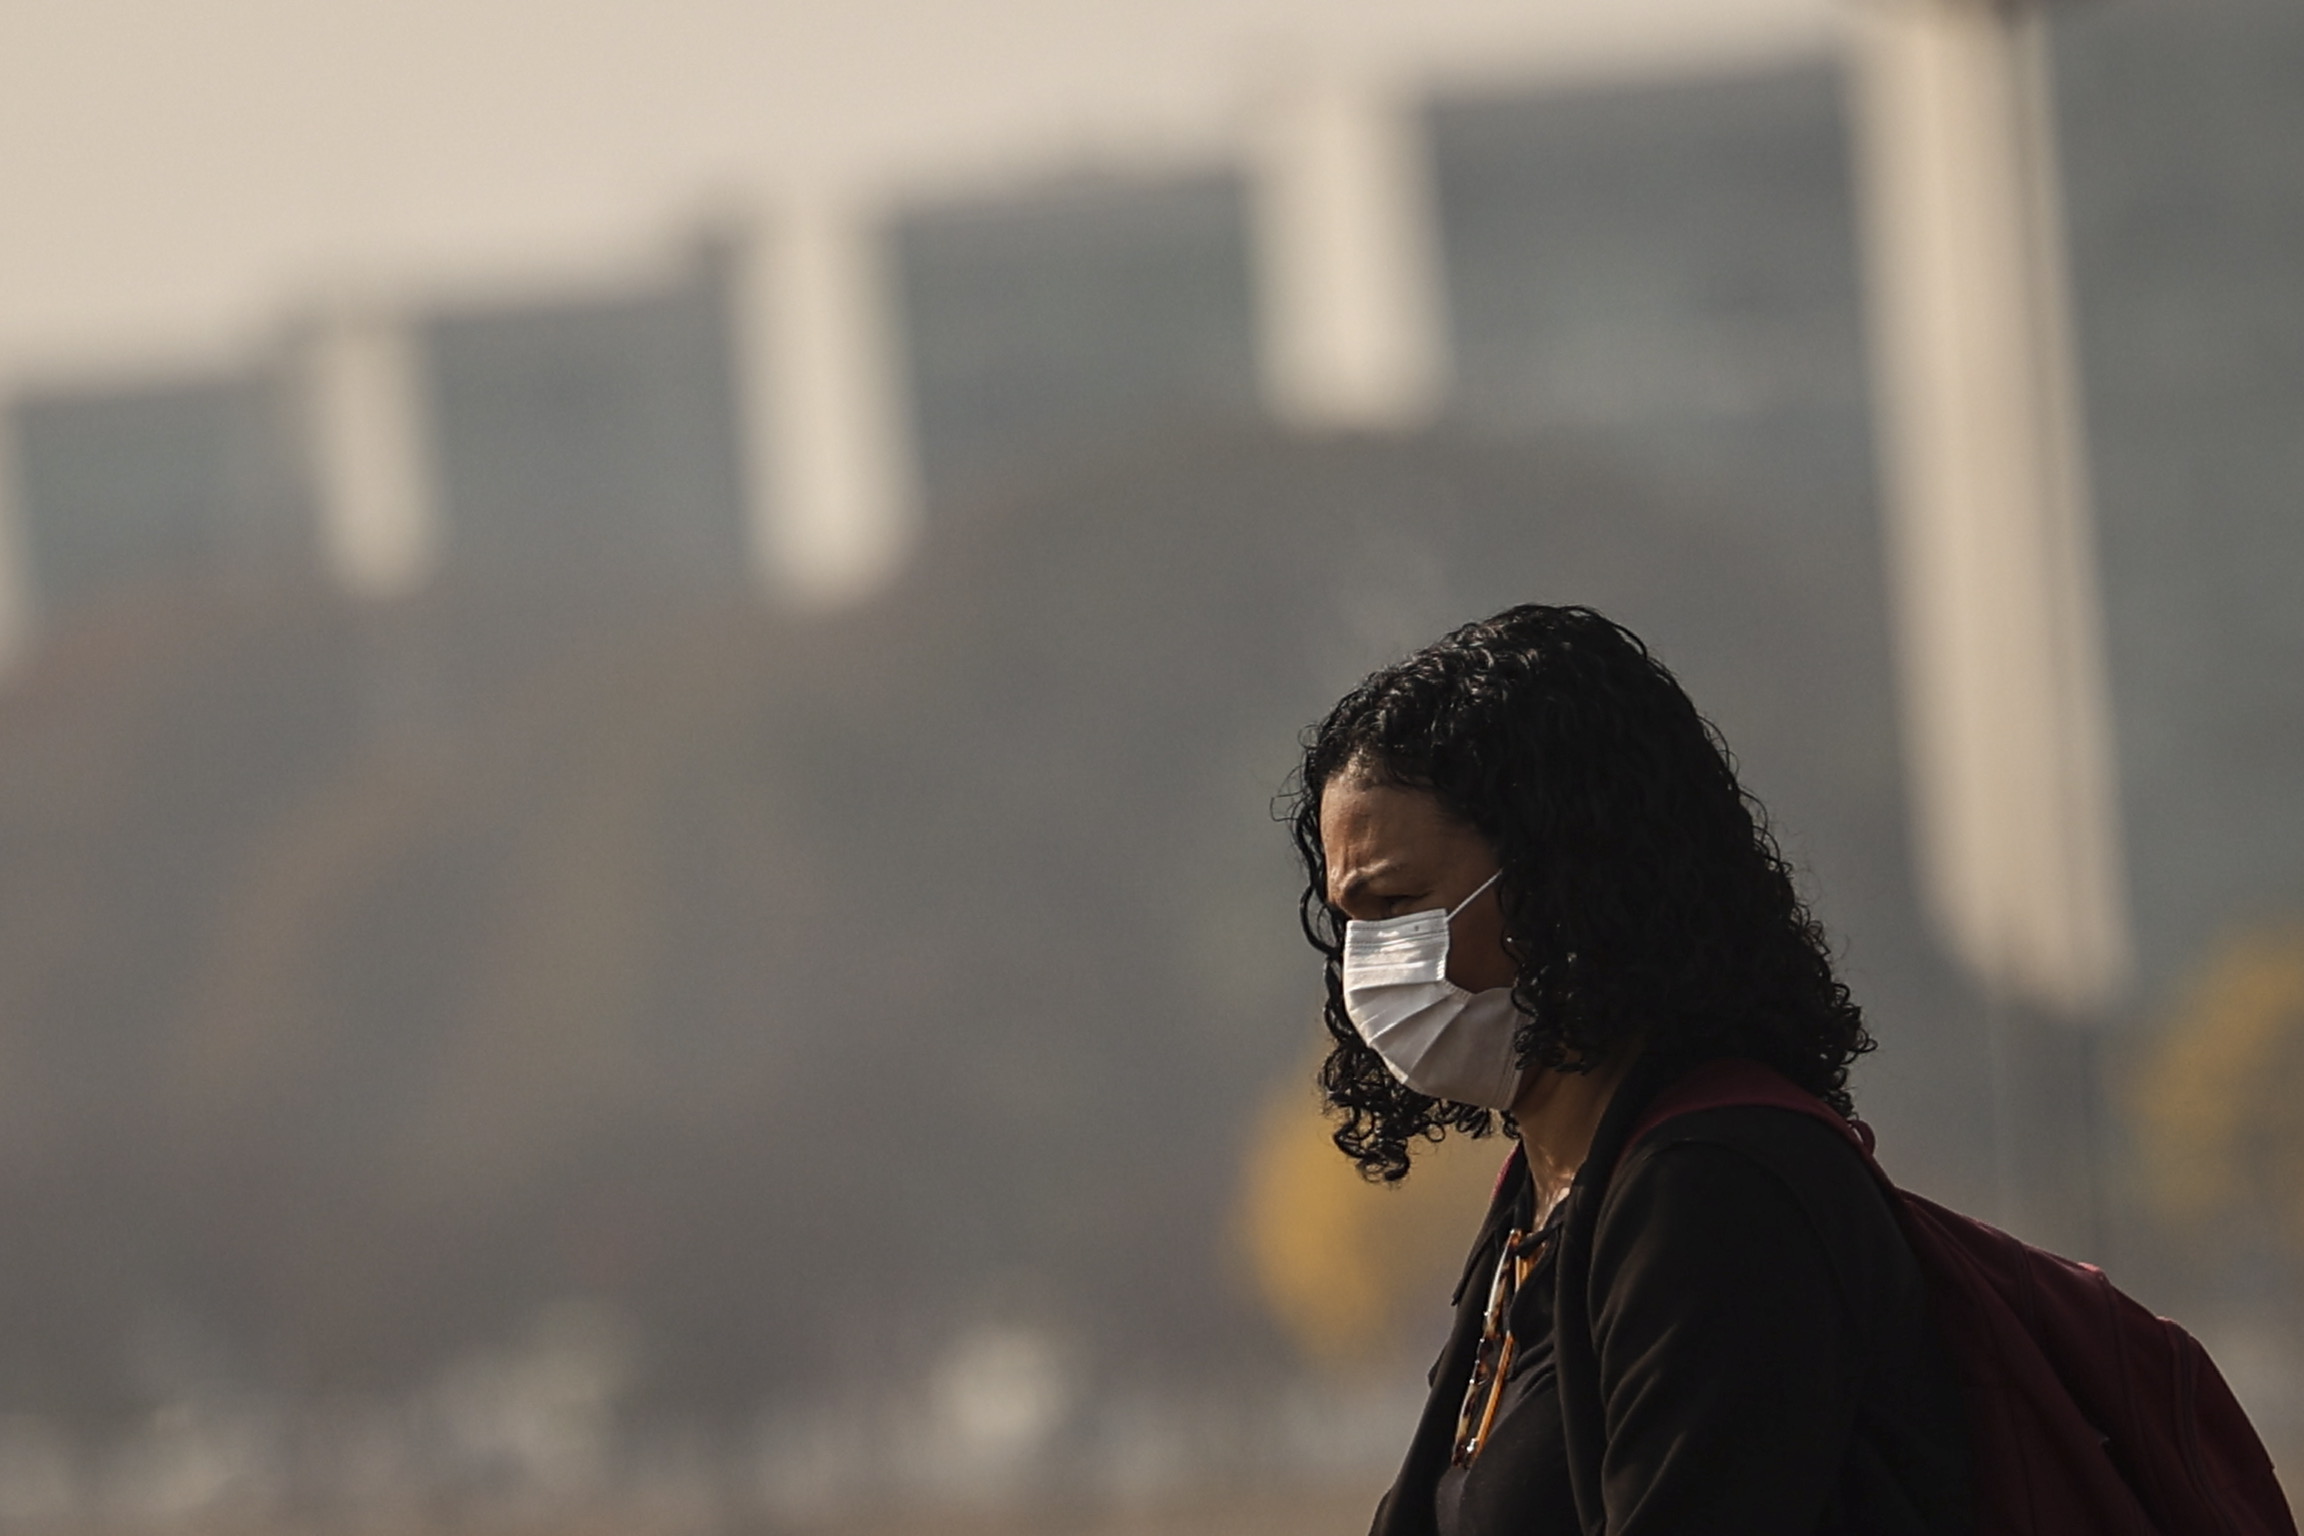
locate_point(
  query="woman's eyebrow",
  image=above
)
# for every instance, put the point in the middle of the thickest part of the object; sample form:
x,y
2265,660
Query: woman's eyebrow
x,y
1363,878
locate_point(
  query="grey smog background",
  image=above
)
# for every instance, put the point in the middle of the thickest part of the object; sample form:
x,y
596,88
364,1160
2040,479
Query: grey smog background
x,y
577,1042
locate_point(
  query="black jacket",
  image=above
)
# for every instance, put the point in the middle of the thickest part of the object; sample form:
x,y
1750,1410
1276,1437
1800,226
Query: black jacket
x,y
1727,1337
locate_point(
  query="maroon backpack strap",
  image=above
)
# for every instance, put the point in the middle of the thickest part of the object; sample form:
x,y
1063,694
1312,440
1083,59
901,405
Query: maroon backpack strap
x,y
1736,1083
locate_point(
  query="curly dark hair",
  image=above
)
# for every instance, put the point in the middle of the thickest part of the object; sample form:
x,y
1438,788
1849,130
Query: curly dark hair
x,y
1645,900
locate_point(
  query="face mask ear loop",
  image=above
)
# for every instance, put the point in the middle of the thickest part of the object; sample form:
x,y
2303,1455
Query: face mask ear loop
x,y
1475,896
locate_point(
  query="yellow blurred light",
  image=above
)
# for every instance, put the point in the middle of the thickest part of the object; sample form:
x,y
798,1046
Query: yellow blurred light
x,y
2219,1100
1347,1267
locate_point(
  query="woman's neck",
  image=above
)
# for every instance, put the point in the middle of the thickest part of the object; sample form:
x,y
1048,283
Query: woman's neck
x,y
1558,1114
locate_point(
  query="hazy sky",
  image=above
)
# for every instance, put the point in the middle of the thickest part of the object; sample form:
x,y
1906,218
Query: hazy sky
x,y
174,176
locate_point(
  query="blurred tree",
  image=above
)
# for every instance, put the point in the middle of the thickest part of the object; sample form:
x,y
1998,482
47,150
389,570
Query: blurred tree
x,y
2219,1098
1350,1269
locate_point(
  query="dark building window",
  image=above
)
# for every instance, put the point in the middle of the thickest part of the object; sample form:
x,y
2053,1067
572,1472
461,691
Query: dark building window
x,y
1064,324
589,441
192,479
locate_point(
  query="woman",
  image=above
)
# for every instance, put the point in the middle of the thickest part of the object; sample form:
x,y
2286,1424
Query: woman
x,y
1542,893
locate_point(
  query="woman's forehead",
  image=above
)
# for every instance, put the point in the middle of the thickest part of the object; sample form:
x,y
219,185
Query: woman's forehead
x,y
1363,821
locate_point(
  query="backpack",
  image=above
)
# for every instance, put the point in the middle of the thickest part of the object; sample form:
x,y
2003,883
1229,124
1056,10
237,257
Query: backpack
x,y
2087,1414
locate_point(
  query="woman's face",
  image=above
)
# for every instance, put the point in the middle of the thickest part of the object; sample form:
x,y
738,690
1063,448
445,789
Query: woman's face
x,y
1392,851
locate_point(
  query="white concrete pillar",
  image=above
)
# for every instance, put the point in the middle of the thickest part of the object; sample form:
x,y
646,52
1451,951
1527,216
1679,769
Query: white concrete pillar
x,y
1352,309
18,591
368,435
823,396
2006,705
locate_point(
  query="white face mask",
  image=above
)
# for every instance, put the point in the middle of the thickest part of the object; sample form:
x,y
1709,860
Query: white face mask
x,y
1436,1037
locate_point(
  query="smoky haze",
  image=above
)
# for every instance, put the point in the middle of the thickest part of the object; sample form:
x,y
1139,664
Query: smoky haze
x,y
581,1037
